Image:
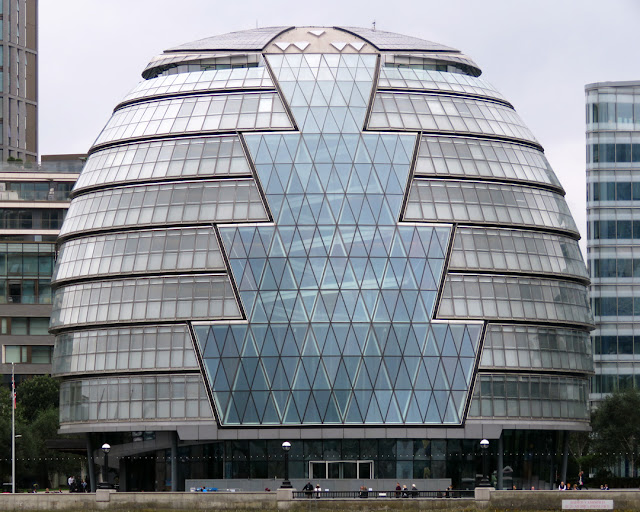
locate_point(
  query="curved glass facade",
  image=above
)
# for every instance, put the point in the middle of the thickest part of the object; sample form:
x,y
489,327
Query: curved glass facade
x,y
412,78
169,203
164,160
125,349
210,80
477,158
140,252
221,112
488,203
413,112
278,250
482,249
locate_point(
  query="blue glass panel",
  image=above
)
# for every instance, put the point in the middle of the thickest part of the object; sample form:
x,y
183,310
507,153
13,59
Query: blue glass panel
x,y
338,295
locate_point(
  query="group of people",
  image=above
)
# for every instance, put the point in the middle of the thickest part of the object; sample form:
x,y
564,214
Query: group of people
x,y
310,490
578,486
403,492
568,487
77,485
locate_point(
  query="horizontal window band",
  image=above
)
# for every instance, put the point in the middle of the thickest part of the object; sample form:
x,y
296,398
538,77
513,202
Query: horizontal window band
x,y
453,94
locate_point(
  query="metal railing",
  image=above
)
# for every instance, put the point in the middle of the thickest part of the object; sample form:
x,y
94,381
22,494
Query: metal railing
x,y
382,494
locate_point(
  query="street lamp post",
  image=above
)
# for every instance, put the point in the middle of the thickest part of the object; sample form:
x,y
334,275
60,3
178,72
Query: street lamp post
x,y
13,429
484,445
106,448
286,446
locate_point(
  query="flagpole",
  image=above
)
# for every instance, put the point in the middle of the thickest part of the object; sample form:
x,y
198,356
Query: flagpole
x,y
13,429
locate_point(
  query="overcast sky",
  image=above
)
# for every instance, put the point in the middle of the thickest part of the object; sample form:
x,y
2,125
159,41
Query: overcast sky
x,y
539,54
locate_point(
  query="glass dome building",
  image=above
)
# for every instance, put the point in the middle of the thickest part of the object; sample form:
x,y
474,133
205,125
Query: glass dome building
x,y
340,237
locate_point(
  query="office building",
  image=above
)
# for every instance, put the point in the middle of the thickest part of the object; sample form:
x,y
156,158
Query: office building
x,y
339,237
613,195
19,80
33,201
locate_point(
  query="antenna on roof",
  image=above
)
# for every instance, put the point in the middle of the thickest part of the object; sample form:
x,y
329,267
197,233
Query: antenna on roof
x,y
373,25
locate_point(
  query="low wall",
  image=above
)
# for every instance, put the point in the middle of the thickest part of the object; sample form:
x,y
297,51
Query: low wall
x,y
552,500
272,501
344,484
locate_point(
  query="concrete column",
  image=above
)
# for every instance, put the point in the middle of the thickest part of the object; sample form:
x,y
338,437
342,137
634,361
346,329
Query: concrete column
x,y
565,455
122,475
92,473
174,461
500,463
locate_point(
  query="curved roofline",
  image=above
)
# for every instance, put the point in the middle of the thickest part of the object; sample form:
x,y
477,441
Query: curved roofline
x,y
258,47
598,85
356,31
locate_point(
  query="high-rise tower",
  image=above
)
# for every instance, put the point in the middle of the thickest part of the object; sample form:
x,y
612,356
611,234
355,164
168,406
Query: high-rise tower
x,y
19,80
613,240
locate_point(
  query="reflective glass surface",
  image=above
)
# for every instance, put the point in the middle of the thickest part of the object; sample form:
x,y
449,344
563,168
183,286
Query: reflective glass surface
x,y
214,79
338,294
619,150
450,156
219,112
538,348
411,78
40,218
530,396
148,398
125,349
23,259
621,304
620,379
520,298
170,203
471,202
617,268
614,190
613,108
25,272
613,343
408,111
141,252
166,159
144,299
32,190
515,251
623,229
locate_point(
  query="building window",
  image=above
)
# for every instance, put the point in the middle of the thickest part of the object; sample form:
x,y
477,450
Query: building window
x,y
25,291
31,219
28,354
31,326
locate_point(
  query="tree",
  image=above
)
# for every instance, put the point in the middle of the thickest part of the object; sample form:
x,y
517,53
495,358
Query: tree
x,y
37,394
616,427
36,418
41,462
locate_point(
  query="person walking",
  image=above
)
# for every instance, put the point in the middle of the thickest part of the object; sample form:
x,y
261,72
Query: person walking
x,y
581,481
